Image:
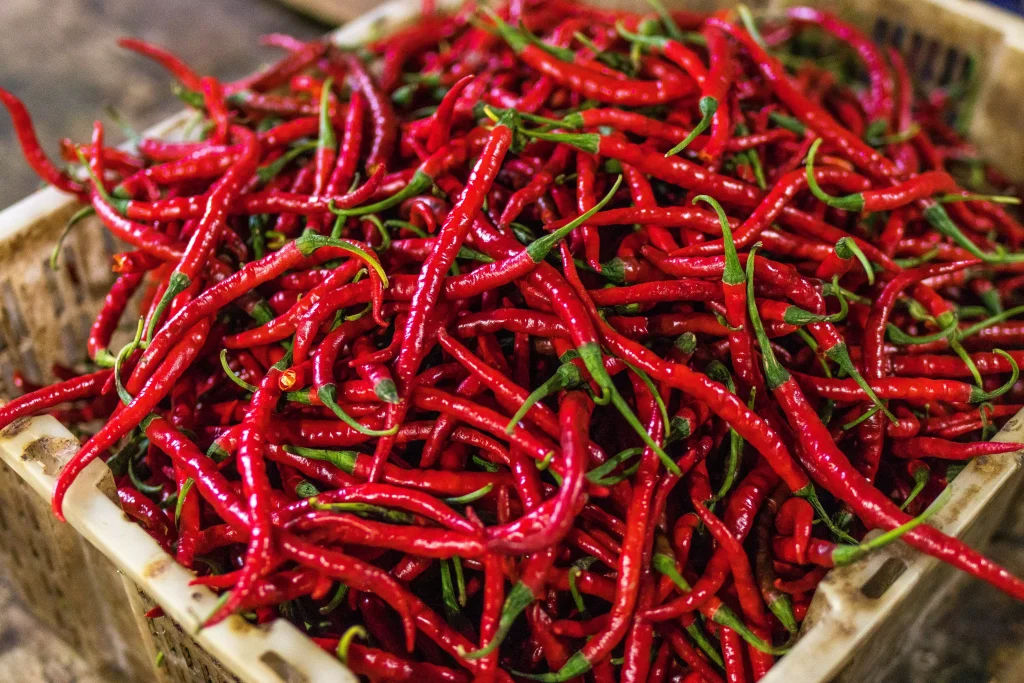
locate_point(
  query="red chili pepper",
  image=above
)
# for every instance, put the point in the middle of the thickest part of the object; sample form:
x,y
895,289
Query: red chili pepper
x,y
278,74
385,127
586,170
155,389
32,150
830,466
589,82
429,282
546,524
109,316
148,514
880,103
255,486
207,232
931,447
173,64
441,121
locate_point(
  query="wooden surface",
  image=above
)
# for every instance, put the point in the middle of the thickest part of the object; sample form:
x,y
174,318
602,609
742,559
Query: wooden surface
x,y
62,59
29,653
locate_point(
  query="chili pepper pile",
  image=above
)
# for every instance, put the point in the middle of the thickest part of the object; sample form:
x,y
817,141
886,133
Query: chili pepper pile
x,y
547,342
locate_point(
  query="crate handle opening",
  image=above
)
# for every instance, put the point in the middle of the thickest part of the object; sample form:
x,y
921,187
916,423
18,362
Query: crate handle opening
x,y
284,669
881,580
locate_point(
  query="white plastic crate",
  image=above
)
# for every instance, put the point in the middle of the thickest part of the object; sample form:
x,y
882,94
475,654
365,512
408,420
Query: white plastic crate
x,y
92,580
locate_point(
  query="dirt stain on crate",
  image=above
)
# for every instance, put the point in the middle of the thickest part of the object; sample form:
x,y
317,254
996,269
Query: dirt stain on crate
x,y
157,567
15,428
237,623
51,452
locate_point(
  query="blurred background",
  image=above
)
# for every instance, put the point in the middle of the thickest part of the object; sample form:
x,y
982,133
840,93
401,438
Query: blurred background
x,y
61,57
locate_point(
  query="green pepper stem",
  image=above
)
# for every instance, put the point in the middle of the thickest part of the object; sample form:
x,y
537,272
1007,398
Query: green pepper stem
x,y
419,182
567,375
346,639
328,396
517,600
850,202
775,375
844,555
810,495
840,354
733,274
978,395
847,247
921,475
542,246
176,284
708,106
78,217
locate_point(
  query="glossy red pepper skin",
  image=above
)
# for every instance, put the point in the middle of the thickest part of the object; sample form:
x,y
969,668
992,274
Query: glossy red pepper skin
x,y
428,285
593,85
175,66
126,419
385,126
149,515
256,488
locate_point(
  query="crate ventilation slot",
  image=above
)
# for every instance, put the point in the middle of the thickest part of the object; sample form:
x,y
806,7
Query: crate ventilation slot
x,y
881,580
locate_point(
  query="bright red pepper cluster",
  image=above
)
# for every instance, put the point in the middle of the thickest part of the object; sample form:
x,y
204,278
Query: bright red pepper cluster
x,y
548,342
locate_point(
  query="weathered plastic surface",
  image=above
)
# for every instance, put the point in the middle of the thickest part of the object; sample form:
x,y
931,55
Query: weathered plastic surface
x,y
93,579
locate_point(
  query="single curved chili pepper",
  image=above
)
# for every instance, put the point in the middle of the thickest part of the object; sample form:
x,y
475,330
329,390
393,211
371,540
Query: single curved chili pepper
x,y
920,186
546,524
207,233
385,126
430,280
931,447
255,486
389,496
148,514
416,540
905,388
107,319
326,145
172,63
269,201
589,82
441,120
382,665
881,102
716,87
32,150
586,172
278,73
158,386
